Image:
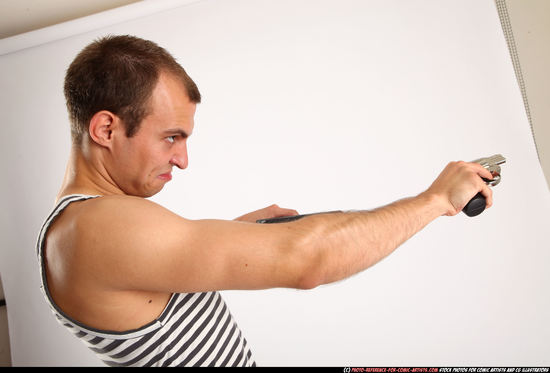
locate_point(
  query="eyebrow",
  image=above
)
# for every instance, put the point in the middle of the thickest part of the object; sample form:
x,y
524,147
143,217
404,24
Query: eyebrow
x,y
176,131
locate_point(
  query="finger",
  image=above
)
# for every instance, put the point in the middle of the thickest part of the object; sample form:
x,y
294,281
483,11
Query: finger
x,y
487,193
285,212
484,188
482,171
274,211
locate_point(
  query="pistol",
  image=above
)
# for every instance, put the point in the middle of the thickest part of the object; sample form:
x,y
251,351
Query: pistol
x,y
477,204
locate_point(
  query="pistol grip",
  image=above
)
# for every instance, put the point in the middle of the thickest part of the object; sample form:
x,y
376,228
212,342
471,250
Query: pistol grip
x,y
475,206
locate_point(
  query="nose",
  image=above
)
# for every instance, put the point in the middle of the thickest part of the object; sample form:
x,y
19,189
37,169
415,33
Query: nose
x,y
180,158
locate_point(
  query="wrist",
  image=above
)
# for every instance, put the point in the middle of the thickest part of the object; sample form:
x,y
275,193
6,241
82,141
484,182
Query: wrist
x,y
434,203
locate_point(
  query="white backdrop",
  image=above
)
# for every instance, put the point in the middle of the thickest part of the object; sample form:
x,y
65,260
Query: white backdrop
x,y
318,105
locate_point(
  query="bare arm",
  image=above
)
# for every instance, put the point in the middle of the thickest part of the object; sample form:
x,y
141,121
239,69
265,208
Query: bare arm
x,y
348,243
143,246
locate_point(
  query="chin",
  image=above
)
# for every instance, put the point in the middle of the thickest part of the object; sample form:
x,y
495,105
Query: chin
x,y
144,193
150,194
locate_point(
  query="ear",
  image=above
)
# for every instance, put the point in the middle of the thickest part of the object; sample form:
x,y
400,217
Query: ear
x,y
101,127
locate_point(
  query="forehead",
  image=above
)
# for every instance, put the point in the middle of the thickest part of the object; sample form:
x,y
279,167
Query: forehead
x,y
170,104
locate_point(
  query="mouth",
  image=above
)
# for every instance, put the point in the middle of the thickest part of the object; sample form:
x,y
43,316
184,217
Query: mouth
x,y
166,176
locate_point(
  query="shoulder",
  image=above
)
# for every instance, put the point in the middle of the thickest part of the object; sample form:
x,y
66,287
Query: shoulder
x,y
97,225
88,264
111,228
121,204
122,214
112,239
123,224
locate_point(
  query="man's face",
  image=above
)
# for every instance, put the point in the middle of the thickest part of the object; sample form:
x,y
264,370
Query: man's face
x,y
144,162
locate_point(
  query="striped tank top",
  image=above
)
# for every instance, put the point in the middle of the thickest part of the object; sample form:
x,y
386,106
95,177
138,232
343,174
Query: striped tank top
x,y
194,329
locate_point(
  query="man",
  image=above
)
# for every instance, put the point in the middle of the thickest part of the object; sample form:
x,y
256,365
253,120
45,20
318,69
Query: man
x,y
138,283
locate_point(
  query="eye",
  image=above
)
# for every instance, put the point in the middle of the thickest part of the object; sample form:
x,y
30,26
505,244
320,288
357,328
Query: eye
x,y
171,139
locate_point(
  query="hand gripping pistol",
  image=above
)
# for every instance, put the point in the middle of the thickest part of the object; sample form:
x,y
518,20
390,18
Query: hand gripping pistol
x,y
492,164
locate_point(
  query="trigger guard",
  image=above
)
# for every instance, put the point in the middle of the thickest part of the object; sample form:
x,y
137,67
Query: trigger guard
x,y
496,179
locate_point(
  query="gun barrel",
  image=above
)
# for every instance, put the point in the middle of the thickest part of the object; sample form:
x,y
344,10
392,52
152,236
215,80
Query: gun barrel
x,y
493,160
497,159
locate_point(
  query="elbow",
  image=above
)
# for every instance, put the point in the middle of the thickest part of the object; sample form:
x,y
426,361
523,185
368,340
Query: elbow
x,y
305,262
308,282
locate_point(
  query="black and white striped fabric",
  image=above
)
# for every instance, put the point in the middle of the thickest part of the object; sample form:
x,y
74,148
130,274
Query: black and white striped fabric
x,y
195,329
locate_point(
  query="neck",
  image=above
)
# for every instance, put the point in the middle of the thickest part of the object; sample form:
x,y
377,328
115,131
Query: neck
x,y
85,174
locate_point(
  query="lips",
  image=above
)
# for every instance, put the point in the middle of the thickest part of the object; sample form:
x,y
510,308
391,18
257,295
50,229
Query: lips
x,y
167,176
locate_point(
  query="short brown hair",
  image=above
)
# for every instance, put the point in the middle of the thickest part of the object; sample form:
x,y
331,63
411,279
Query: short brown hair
x,y
118,74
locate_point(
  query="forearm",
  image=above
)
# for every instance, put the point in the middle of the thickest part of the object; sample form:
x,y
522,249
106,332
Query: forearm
x,y
343,244
324,248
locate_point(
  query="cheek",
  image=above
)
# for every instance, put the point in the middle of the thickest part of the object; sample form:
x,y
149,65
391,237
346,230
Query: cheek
x,y
155,161
141,159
